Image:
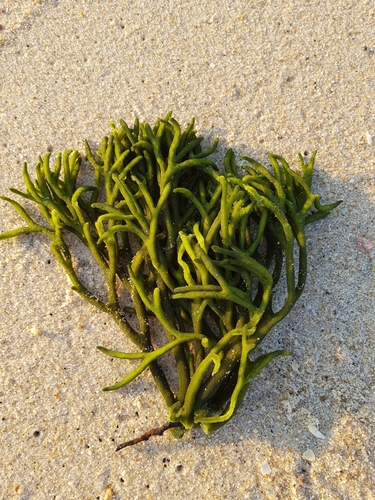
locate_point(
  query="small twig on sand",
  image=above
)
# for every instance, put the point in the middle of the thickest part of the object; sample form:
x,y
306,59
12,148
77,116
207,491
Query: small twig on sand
x,y
159,431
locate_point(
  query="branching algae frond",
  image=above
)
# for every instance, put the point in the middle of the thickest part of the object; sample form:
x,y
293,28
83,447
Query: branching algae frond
x,y
198,248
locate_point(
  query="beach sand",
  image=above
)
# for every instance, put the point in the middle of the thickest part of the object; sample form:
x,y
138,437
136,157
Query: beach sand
x,y
286,77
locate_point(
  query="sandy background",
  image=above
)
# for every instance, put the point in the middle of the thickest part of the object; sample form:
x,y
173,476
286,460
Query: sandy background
x,y
285,77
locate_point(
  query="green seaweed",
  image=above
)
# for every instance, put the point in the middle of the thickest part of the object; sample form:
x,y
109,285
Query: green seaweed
x,y
200,249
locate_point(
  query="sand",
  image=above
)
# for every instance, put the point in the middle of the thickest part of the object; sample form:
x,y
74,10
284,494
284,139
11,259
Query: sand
x,y
285,77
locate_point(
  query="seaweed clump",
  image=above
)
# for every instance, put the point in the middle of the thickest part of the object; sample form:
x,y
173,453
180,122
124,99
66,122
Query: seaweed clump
x,y
200,249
